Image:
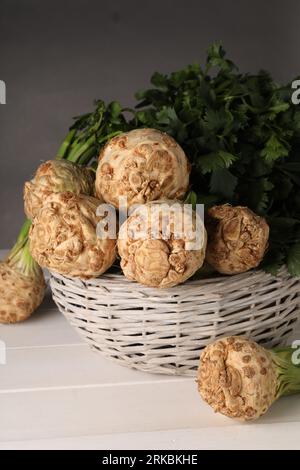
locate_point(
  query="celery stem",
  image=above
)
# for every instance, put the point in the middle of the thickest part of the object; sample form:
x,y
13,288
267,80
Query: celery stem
x,y
65,145
287,361
87,156
80,149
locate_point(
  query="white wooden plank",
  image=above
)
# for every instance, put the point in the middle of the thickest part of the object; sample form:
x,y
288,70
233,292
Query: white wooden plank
x,y
66,366
248,437
104,409
117,408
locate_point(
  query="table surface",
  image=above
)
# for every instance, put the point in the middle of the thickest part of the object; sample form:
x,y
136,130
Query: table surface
x,y
55,393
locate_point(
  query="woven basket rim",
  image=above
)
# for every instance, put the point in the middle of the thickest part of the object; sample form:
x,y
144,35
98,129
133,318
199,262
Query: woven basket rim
x,y
222,281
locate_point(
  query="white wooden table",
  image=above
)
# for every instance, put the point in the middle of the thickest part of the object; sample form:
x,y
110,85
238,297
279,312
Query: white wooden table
x,y
56,393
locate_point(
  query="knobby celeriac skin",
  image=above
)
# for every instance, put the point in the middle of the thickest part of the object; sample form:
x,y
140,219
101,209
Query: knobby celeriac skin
x,y
56,176
160,261
143,165
22,284
20,294
237,238
238,378
63,237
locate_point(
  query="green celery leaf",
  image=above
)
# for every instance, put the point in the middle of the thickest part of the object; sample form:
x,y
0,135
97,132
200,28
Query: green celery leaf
x,y
293,260
216,58
115,109
273,262
159,80
274,149
191,198
215,160
168,120
223,182
166,115
215,120
277,108
263,188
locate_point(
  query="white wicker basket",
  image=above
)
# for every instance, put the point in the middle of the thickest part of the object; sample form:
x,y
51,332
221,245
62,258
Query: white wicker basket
x,y
163,331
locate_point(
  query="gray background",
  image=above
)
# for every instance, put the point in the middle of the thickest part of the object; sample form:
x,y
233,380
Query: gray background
x,y
57,56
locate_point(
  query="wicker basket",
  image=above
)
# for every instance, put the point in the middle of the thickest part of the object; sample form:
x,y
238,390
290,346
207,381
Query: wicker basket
x,y
163,331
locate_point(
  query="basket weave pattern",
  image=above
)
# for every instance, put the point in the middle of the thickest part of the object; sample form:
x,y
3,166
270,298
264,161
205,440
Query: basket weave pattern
x,y
163,331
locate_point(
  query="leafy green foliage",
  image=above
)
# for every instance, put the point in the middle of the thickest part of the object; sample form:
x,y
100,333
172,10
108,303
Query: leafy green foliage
x,y
293,260
274,149
215,161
